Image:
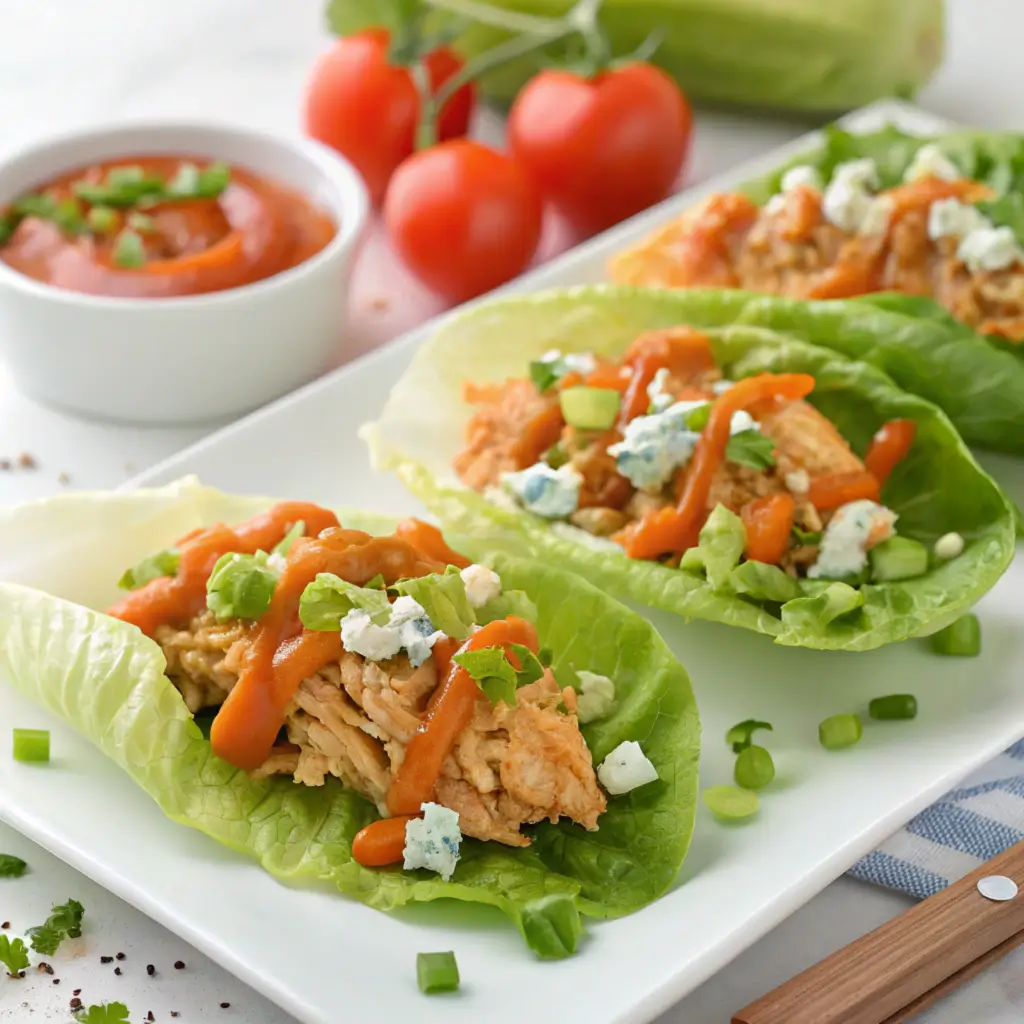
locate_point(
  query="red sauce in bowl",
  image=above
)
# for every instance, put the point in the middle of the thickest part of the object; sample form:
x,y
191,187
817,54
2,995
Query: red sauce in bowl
x,y
253,229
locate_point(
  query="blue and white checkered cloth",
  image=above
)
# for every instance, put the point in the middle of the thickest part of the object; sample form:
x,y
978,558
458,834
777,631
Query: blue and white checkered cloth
x,y
967,827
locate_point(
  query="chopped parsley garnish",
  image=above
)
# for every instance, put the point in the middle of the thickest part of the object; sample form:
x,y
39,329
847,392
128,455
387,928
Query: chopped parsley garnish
x,y
496,675
64,922
103,1013
13,955
751,448
11,866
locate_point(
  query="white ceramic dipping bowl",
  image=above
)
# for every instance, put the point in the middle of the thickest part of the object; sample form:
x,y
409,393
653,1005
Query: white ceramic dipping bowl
x,y
193,359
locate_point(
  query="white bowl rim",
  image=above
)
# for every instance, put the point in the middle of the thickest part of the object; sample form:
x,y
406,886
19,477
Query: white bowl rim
x,y
351,213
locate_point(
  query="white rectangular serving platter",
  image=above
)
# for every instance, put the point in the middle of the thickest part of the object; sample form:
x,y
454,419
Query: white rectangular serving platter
x,y
327,959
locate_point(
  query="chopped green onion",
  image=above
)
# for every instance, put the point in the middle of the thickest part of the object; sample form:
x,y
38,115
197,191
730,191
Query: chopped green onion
x,y
437,972
35,206
8,225
102,219
213,180
129,252
67,215
118,177
740,735
11,866
898,558
896,706
730,802
31,745
697,419
556,456
185,182
960,639
141,222
754,768
840,731
590,408
806,536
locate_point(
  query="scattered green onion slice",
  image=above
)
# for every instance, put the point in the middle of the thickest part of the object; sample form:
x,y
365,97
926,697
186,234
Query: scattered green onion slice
x,y
898,558
754,768
102,220
31,745
35,206
118,177
895,706
697,419
8,225
840,731
740,735
141,222
185,182
129,252
213,180
437,972
730,802
960,639
590,408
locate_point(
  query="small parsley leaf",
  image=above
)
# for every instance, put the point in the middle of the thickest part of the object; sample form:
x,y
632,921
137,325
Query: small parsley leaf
x,y
751,448
103,1013
11,866
13,955
65,921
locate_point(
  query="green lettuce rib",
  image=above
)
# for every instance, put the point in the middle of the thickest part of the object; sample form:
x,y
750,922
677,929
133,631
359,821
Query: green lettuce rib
x,y
938,488
107,680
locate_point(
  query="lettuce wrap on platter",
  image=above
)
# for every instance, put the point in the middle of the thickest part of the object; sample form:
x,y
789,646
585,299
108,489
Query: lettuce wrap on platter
x,y
733,473
927,224
410,694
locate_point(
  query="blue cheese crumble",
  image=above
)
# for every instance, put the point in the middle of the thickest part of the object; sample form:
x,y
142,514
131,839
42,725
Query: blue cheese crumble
x,y
949,218
660,398
989,249
847,202
596,696
482,585
930,162
852,530
655,446
626,768
547,492
801,176
433,841
408,627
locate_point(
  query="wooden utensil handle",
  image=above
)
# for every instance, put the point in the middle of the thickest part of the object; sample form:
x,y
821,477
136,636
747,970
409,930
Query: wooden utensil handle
x,y
888,970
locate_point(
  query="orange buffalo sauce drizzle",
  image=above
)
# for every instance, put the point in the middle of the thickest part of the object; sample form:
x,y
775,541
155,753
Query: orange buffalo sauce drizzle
x,y
449,712
673,530
281,653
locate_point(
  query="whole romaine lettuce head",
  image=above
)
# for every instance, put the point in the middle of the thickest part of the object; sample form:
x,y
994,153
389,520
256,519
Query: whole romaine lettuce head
x,y
938,488
62,558
780,54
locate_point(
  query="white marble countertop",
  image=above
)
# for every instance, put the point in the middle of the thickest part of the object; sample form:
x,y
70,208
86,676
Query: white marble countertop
x,y
66,64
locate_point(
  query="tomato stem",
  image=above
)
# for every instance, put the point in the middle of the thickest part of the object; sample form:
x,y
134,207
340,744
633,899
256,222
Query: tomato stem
x,y
532,33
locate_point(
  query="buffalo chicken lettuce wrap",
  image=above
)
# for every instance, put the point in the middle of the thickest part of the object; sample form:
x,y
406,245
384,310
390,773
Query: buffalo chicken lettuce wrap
x,y
734,473
381,712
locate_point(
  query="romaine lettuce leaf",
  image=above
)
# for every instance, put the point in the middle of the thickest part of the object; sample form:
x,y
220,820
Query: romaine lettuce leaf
x,y
938,488
107,680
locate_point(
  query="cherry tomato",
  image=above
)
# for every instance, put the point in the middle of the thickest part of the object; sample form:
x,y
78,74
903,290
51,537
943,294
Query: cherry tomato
x,y
603,148
463,218
367,109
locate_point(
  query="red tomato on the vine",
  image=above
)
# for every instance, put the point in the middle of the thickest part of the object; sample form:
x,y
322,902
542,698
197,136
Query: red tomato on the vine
x,y
368,109
463,218
604,148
